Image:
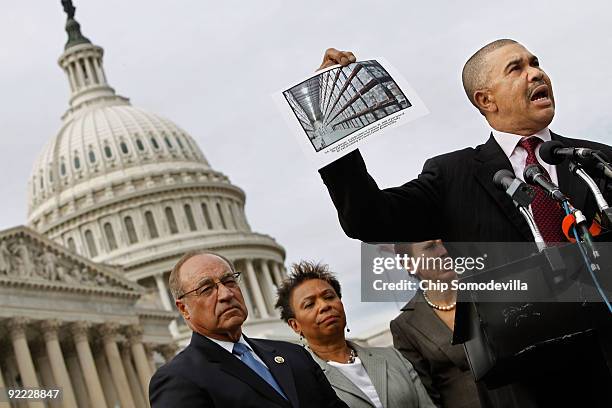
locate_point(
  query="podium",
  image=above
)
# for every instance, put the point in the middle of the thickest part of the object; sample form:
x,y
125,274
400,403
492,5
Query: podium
x,y
508,335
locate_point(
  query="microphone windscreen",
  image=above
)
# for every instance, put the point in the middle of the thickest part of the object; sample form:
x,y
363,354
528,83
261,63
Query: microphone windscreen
x,y
499,177
547,151
531,171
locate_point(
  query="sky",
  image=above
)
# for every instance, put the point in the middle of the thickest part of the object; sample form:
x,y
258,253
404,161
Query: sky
x,y
212,67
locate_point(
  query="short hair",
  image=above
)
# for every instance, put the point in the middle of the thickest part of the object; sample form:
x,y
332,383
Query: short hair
x,y
474,75
302,272
174,282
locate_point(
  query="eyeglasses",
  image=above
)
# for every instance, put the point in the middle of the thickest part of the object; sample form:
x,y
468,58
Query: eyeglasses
x,y
209,286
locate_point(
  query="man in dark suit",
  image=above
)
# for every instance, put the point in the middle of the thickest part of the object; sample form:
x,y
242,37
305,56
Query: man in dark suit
x,y
454,197
223,368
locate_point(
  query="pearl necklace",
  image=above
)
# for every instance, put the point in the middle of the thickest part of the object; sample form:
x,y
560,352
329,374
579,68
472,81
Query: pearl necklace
x,y
438,307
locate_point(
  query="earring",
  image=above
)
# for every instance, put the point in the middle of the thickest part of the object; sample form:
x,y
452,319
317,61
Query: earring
x,y
347,329
302,340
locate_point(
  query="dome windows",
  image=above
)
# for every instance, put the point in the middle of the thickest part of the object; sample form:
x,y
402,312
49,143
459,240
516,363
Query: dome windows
x,y
63,169
154,143
92,157
190,219
139,145
124,148
110,236
108,152
131,231
171,220
168,142
151,224
91,244
178,140
77,163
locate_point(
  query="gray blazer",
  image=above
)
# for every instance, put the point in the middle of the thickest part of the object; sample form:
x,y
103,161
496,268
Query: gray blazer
x,y
393,377
425,340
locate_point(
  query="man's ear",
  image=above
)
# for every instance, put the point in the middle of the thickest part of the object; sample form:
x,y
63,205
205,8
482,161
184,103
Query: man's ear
x,y
183,309
295,325
485,101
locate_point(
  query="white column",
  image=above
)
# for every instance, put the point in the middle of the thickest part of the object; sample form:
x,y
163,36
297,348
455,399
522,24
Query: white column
x,y
109,334
80,73
106,379
73,77
245,293
166,302
277,273
88,366
76,377
101,75
134,335
135,387
92,74
269,286
259,300
150,357
17,327
45,373
58,365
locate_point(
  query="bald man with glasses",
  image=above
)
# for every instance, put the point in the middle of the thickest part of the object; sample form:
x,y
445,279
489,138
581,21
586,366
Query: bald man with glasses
x,y
221,367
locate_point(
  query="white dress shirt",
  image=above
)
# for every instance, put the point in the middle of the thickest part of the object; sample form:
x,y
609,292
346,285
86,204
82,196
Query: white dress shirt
x,y
356,373
517,155
229,346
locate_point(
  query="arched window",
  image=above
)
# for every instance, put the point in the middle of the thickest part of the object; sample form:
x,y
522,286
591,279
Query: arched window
x,y
151,224
62,169
189,215
140,145
168,142
131,231
178,140
108,152
92,156
154,143
124,148
91,244
206,216
110,236
230,207
71,244
171,220
223,224
77,162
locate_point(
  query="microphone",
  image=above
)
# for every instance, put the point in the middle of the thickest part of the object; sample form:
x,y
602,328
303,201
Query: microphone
x,y
523,195
534,174
520,192
555,152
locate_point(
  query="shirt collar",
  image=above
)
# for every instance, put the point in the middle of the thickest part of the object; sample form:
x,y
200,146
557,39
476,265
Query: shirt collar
x,y
508,141
229,345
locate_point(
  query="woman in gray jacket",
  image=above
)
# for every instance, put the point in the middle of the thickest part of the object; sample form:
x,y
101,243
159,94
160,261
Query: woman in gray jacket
x,y
369,377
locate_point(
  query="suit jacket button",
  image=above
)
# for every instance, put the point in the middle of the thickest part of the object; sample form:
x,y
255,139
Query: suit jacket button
x,y
279,359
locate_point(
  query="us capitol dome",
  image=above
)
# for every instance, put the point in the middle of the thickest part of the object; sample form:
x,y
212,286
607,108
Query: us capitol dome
x,y
129,188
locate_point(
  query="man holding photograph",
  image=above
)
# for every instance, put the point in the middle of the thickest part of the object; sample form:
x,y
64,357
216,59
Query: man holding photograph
x,y
454,198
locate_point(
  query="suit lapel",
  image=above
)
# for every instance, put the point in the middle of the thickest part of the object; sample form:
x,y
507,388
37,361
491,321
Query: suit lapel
x,y
425,320
281,372
376,367
569,184
489,159
236,368
339,380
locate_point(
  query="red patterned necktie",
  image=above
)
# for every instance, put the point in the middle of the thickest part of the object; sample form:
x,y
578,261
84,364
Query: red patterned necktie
x,y
547,213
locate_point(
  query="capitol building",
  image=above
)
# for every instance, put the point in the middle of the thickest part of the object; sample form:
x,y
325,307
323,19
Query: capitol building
x,y
115,199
